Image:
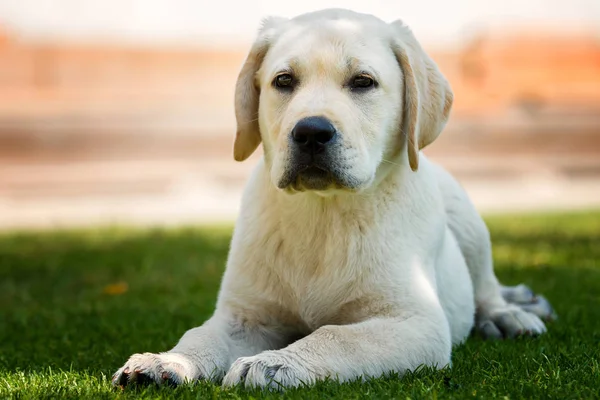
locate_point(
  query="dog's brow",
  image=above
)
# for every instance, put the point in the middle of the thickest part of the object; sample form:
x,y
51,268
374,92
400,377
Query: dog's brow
x,y
293,63
286,66
354,65
351,63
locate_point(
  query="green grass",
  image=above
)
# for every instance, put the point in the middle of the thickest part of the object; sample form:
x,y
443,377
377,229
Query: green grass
x,y
65,327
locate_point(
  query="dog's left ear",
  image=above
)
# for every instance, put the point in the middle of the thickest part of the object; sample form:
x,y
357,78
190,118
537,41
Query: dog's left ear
x,y
427,94
247,92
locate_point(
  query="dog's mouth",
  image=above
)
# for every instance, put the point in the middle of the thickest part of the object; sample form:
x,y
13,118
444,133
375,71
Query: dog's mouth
x,y
309,177
314,178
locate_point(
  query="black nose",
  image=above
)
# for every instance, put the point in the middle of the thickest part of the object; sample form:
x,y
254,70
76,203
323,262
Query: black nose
x,y
311,134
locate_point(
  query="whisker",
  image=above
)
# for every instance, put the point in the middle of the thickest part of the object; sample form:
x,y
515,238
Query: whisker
x,y
249,122
391,162
412,143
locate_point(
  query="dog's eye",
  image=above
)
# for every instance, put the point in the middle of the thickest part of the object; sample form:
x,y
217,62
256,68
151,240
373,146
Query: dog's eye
x,y
362,82
284,81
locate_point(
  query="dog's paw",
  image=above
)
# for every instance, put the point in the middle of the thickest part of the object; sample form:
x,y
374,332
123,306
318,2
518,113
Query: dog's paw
x,y
270,369
508,322
526,299
162,369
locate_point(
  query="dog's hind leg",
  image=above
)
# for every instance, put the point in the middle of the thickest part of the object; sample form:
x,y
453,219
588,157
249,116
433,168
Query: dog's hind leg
x,y
501,311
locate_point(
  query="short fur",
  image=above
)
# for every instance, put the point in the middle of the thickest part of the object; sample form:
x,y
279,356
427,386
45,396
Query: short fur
x,y
384,271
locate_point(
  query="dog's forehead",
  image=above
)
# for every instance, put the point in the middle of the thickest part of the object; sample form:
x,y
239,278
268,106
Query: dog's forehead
x,y
337,42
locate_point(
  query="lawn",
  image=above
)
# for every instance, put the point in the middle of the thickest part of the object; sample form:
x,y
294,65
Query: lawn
x,y
75,304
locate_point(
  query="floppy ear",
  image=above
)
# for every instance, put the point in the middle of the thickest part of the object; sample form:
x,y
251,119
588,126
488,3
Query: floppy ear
x,y
427,94
247,92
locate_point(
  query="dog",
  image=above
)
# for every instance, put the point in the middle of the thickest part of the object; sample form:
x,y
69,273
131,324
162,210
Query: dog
x,y
353,255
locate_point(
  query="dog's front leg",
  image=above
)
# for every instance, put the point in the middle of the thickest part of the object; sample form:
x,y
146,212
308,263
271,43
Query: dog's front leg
x,y
345,352
205,352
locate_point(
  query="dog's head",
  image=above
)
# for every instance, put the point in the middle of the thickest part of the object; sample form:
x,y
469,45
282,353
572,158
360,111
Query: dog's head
x,y
334,94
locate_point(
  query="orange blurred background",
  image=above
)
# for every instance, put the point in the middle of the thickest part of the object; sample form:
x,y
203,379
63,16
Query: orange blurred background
x,y
122,111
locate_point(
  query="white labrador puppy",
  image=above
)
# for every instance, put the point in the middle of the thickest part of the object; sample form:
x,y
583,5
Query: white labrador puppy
x,y
353,255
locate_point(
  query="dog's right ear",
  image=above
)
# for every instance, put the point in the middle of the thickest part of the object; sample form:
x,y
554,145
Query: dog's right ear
x,y
247,92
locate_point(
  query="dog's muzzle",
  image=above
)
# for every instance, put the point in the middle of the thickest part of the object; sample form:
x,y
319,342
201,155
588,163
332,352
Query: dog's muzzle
x,y
313,149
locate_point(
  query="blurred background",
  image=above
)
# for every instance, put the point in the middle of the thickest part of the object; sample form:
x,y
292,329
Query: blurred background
x,y
121,111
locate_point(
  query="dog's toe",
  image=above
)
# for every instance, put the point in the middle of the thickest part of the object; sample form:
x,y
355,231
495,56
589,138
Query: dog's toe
x,y
489,330
147,369
121,377
541,307
273,370
238,371
510,322
520,294
523,297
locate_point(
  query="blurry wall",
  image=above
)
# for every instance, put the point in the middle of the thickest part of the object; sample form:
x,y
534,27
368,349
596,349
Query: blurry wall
x,y
122,111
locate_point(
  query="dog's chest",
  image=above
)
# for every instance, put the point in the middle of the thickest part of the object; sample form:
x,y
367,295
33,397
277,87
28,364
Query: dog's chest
x,y
325,274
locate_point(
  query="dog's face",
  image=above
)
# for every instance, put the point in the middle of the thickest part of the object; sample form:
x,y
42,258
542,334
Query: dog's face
x,y
330,95
333,95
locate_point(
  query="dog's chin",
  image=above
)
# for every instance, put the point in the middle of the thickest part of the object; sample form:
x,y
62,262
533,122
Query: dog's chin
x,y
314,179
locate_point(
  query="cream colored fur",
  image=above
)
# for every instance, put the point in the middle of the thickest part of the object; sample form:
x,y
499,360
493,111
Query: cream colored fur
x,y
384,274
